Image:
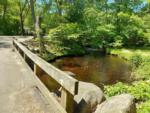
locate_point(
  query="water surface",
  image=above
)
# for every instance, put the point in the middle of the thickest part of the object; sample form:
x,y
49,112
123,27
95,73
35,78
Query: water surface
x,y
96,68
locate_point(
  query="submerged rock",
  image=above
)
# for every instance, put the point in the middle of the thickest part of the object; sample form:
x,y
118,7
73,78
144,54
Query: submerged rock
x,y
118,104
89,96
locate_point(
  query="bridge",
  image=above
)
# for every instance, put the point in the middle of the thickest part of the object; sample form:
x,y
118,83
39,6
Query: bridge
x,y
28,84
22,90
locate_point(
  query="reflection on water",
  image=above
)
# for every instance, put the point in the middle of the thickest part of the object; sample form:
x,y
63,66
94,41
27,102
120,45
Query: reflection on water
x,y
96,68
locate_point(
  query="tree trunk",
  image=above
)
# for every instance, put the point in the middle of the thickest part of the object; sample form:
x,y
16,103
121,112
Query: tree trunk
x,y
4,9
22,24
117,18
37,27
59,3
32,11
22,8
38,35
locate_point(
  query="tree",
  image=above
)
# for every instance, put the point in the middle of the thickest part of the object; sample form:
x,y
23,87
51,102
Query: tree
x,y
32,11
37,16
23,11
5,4
75,11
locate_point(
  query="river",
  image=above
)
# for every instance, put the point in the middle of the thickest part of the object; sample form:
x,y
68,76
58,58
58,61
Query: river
x,y
96,68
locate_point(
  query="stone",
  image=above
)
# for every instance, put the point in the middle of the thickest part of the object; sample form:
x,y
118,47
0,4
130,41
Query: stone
x,y
89,96
123,103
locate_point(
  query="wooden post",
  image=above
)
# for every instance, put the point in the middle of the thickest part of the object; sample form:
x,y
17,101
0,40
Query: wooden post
x,y
19,51
17,48
67,101
14,46
24,56
35,69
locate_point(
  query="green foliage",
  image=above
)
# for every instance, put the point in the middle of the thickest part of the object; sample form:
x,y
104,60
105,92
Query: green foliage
x,y
52,21
147,38
118,42
139,60
9,22
146,19
136,60
47,56
135,31
131,28
116,89
102,23
75,11
92,18
144,107
140,90
143,71
67,36
103,35
64,31
141,64
73,25
9,27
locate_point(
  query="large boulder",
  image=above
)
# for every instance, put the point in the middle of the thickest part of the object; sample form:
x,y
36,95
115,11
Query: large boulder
x,y
123,103
89,96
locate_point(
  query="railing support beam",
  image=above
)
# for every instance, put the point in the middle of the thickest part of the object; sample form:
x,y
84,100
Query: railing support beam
x,y
67,101
69,84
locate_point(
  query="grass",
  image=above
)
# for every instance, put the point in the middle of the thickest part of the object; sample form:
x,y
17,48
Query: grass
x,y
127,53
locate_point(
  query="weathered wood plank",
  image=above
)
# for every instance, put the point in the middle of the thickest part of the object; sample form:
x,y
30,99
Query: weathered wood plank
x,y
23,92
66,81
48,96
67,101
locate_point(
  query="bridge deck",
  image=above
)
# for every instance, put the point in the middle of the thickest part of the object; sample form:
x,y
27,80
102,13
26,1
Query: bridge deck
x,y
18,91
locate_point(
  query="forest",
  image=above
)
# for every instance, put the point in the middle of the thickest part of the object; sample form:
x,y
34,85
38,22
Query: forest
x,y
70,27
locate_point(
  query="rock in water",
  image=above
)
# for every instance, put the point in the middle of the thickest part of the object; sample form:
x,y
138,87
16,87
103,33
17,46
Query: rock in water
x,y
123,103
89,96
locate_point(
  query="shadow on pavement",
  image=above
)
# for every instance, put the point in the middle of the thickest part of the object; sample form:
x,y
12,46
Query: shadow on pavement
x,y
4,45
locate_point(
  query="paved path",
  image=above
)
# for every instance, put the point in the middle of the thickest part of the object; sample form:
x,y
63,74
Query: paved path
x,y
18,92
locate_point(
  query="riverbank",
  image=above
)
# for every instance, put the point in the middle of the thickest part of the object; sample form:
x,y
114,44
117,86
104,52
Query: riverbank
x,y
140,88
52,51
127,53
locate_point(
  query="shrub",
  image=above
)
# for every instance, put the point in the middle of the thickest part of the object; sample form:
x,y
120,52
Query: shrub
x,y
102,36
47,56
52,21
92,18
131,28
117,41
66,37
101,33
140,90
144,107
136,60
142,65
143,71
116,89
75,11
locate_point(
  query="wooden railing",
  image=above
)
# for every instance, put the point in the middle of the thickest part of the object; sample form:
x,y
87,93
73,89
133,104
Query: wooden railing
x,y
69,85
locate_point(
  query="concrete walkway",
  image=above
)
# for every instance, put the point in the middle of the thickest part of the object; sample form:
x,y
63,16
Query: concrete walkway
x,y
18,92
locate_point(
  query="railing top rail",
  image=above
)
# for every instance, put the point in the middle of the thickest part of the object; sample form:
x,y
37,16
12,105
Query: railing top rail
x,y
67,82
